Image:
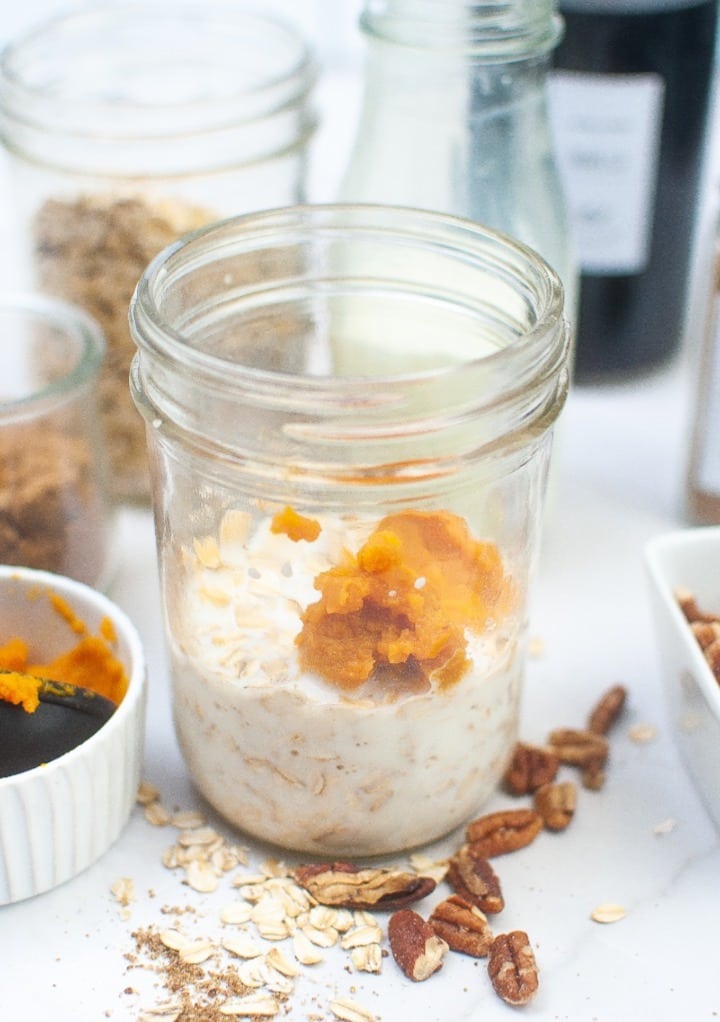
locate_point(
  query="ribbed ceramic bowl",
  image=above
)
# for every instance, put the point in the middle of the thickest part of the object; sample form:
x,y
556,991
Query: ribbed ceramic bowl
x,y
58,819
689,559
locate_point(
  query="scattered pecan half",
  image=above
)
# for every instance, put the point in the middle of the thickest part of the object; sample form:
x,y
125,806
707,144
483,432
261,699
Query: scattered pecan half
x,y
531,766
415,946
512,967
607,710
462,926
579,747
503,831
345,885
556,804
471,876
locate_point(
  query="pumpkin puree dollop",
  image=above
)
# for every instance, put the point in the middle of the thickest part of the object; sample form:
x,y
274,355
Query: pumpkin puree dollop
x,y
404,601
90,663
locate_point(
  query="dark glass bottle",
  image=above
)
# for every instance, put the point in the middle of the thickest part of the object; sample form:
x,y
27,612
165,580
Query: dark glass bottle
x,y
631,94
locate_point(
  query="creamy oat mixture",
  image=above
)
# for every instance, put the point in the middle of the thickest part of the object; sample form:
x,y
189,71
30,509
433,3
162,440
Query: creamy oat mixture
x,y
295,760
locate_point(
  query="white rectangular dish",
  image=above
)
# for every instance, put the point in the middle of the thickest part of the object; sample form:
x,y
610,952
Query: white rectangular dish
x,y
689,559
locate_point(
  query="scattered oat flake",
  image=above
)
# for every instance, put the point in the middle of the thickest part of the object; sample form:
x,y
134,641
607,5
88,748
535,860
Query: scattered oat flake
x,y
665,826
350,1011
427,867
236,914
174,939
197,837
251,1006
161,1013
242,945
201,876
124,891
188,819
608,912
367,958
361,936
277,960
147,793
197,951
157,814
305,951
642,733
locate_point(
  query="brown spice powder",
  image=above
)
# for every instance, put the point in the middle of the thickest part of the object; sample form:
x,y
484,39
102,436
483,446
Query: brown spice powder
x,y
196,992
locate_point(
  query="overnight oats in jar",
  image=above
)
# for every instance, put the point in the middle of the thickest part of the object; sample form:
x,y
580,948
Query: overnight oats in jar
x,y
349,413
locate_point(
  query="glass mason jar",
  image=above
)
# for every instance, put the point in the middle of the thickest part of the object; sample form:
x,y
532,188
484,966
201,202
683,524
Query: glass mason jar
x,y
345,559
128,125
455,117
54,509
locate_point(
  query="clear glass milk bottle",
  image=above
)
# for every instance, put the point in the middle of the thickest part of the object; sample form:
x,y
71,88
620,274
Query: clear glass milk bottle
x,y
455,118
127,125
345,558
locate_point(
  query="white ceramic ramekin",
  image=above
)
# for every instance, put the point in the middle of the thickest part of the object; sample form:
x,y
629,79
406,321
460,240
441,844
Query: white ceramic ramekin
x,y
59,818
689,559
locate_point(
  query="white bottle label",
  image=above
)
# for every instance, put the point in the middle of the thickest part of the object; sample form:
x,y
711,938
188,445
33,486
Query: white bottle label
x,y
607,132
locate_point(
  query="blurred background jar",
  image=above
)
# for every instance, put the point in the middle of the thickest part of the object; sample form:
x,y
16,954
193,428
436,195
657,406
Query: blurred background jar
x,y
54,509
128,125
378,716
631,94
455,118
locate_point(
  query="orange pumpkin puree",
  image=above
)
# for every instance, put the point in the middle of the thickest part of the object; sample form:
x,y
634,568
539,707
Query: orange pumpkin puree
x,y
90,663
20,689
404,601
295,526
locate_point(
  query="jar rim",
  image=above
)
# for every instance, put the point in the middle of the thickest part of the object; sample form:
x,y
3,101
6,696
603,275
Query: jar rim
x,y
503,31
72,321
34,92
542,345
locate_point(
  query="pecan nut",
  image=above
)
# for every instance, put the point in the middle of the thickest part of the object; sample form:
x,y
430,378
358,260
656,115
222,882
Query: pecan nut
x,y
593,777
607,710
579,747
471,876
462,926
345,885
531,766
512,967
503,831
415,945
556,804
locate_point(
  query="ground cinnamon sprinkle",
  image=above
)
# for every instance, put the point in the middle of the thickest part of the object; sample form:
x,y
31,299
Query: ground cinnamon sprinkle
x,y
195,993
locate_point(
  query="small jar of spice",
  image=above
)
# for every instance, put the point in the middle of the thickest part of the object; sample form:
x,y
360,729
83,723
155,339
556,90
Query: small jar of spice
x,y
54,507
128,125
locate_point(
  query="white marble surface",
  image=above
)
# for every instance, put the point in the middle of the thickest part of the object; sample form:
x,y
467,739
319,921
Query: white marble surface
x,y
618,481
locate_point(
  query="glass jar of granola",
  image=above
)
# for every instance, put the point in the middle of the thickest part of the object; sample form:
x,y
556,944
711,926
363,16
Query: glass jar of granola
x,y
345,554
128,125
